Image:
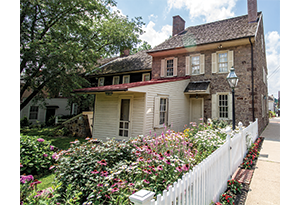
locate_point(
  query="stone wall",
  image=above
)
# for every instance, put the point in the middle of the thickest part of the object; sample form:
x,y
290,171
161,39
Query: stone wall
x,y
218,83
78,126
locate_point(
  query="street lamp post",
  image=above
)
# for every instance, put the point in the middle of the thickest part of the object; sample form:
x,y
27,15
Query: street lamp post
x,y
232,80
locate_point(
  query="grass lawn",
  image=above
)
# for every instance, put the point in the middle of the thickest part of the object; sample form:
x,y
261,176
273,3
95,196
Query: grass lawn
x,y
48,133
47,181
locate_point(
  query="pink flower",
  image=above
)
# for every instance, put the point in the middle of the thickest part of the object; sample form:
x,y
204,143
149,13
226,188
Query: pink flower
x,y
94,172
168,153
147,182
100,185
21,165
114,189
140,159
40,140
102,162
25,178
168,161
179,168
159,167
186,167
45,155
35,182
104,173
51,147
87,138
131,184
160,156
51,167
149,160
55,156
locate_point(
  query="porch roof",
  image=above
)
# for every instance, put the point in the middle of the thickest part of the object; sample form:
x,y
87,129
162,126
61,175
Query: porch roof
x,y
198,87
125,87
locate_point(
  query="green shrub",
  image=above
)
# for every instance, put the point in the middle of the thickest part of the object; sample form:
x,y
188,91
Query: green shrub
x,y
24,122
75,166
35,155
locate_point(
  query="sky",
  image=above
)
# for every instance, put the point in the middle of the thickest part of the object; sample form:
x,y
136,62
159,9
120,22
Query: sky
x,y
158,15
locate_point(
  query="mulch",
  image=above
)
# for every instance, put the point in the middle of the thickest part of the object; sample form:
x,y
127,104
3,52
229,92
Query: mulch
x,y
245,176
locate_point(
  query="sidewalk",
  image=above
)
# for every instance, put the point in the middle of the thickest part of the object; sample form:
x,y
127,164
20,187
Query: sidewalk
x,y
265,184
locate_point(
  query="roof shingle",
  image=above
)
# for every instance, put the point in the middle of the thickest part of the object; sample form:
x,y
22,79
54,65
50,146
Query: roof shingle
x,y
224,30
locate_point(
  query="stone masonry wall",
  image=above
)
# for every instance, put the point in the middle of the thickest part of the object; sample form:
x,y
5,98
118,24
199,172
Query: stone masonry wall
x,y
78,126
242,65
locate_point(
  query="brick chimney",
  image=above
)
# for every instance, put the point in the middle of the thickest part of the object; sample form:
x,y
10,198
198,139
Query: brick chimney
x,y
125,53
252,11
178,25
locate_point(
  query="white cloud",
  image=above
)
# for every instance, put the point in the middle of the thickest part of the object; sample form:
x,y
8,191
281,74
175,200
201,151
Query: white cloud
x,y
211,10
154,37
273,62
152,16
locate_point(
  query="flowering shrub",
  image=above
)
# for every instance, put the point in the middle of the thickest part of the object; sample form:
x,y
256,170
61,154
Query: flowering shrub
x,y
234,186
35,155
30,195
83,166
226,198
251,155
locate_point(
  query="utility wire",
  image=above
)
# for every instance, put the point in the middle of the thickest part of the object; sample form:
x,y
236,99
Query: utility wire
x,y
276,70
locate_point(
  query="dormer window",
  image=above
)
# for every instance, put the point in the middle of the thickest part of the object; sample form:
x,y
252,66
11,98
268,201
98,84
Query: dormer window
x,y
101,81
126,79
146,76
169,68
116,80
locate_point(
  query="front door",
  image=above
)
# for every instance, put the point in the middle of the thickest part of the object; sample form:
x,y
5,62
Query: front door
x,y
49,113
124,126
196,110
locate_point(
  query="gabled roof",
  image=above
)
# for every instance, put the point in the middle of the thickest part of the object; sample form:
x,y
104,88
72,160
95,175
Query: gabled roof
x,y
219,31
135,62
125,87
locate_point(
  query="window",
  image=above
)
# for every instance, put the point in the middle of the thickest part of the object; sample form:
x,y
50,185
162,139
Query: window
x,y
146,76
195,65
223,106
74,108
116,80
223,62
126,79
169,67
163,111
101,81
33,114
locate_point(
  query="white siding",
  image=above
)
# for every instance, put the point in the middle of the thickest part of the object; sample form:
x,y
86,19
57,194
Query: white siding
x,y
60,102
179,104
106,119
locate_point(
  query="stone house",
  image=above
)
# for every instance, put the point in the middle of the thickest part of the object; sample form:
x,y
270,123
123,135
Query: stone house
x,y
188,80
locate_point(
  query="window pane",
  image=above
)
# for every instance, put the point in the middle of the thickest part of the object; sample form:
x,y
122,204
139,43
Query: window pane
x,y
125,133
120,132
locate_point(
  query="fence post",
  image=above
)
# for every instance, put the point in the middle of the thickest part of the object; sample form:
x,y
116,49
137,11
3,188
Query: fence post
x,y
228,138
142,197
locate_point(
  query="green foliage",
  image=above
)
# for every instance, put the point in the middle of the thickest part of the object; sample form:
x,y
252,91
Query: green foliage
x,y
226,198
144,46
24,122
252,154
272,114
35,155
60,40
234,186
75,166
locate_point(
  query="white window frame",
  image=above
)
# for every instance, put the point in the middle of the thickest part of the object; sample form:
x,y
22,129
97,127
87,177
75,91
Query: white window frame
x,y
126,76
99,81
172,59
33,112
157,111
144,75
118,80
216,107
164,64
224,106
218,61
192,66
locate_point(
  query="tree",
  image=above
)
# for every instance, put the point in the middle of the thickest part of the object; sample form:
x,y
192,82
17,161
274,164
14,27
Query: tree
x,y
60,40
144,46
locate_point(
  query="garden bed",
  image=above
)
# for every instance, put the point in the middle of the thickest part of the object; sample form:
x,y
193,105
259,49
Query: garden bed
x,y
245,177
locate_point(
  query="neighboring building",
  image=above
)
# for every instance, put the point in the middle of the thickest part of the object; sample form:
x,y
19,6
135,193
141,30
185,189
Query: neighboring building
x,y
188,80
271,101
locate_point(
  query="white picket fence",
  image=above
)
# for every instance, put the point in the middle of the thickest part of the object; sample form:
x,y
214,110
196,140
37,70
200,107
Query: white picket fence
x,y
207,180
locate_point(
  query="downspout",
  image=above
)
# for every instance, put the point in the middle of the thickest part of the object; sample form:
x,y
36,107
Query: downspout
x,y
252,80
